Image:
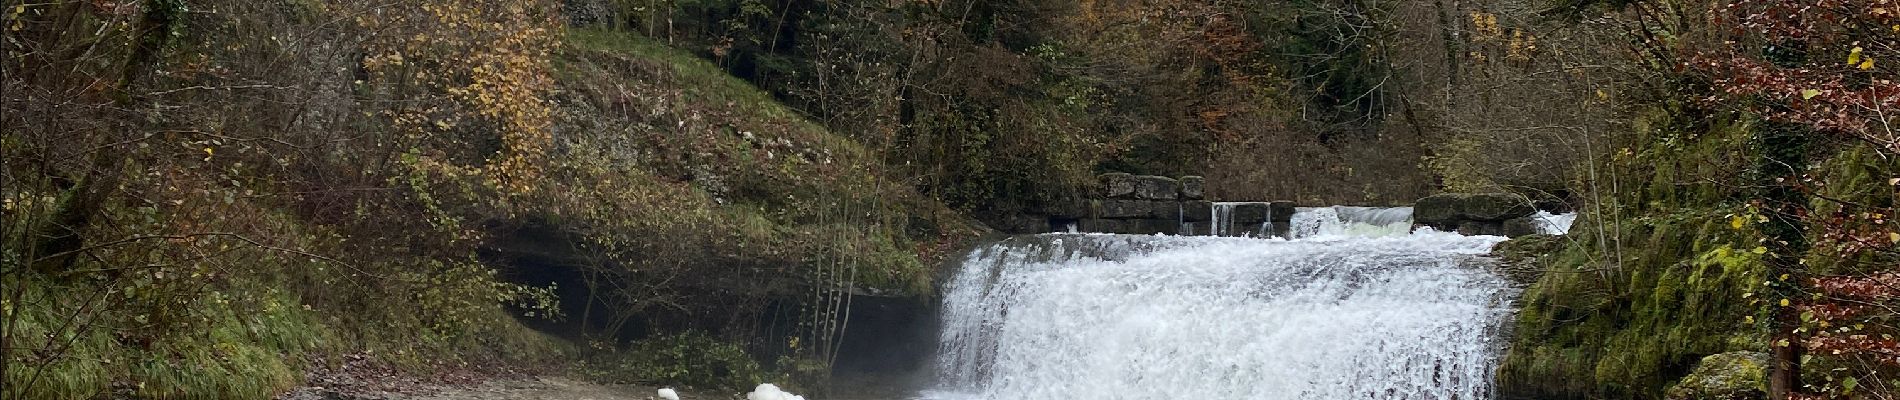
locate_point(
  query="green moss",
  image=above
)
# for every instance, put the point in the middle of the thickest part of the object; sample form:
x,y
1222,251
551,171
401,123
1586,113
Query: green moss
x,y
1627,313
1671,269
1731,375
244,352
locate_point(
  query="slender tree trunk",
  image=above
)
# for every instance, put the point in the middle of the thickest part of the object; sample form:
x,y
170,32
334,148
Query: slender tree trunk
x,y
1783,149
1448,29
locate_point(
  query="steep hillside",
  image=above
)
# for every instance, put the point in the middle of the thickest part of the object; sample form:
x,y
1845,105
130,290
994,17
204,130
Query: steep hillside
x,y
211,201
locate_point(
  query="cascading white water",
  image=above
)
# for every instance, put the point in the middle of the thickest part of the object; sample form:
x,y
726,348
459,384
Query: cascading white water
x,y
1351,221
1555,224
1166,317
1222,220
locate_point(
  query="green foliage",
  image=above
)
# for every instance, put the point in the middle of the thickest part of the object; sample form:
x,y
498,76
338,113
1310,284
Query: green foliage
x,y
774,187
1674,265
1669,279
235,349
692,359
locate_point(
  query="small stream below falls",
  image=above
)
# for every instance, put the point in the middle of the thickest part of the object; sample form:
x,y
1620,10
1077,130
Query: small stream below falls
x,y
1340,312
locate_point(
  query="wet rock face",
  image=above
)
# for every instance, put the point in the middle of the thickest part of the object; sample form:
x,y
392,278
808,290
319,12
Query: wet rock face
x,y
1501,214
1139,209
1280,212
1521,226
1197,210
1253,214
1735,375
1140,204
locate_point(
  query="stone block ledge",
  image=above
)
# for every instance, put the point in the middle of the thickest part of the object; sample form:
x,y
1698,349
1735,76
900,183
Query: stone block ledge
x,y
1501,214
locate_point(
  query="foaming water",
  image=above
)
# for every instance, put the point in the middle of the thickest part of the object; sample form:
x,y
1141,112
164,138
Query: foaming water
x,y
1555,224
1064,316
1351,221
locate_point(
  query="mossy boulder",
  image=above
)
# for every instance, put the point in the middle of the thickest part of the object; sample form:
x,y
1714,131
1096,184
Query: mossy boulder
x,y
1522,226
1495,206
1439,210
1735,375
1475,228
1519,258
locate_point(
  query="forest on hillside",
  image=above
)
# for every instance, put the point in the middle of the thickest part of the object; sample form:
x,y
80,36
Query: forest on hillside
x,y
234,198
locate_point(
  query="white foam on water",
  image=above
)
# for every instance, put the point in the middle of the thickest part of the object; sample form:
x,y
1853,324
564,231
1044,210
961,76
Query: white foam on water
x,y
1555,224
1350,221
1335,316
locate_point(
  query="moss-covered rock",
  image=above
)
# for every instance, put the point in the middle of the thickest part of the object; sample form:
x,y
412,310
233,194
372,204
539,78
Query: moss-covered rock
x,y
1735,375
1438,210
1649,286
1518,258
1522,226
1495,206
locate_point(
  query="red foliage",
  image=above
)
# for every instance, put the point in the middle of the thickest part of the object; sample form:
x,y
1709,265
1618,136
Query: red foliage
x,y
1884,350
1843,102
1836,311
1785,58
1881,286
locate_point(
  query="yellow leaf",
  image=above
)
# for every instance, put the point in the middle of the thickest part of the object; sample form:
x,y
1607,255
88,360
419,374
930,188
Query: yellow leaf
x,y
1853,56
1736,222
1809,94
1867,64
1893,237
1761,250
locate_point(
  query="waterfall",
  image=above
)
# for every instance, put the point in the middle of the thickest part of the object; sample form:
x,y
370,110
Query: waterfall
x,y
1222,221
1555,224
1094,316
1351,221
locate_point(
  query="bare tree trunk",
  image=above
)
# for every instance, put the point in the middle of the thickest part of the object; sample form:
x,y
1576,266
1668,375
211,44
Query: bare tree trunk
x,y
1448,29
